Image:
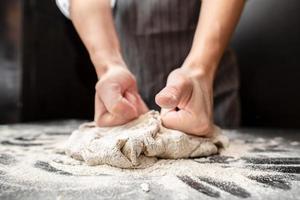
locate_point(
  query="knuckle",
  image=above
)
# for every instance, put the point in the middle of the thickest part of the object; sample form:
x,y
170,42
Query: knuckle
x,y
98,85
132,80
117,108
99,121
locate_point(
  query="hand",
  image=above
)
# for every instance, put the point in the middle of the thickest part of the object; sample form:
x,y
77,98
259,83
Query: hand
x,y
117,100
186,102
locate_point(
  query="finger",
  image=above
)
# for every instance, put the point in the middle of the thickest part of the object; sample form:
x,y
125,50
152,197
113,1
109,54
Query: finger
x,y
115,103
174,119
142,107
104,119
107,120
135,99
131,98
99,109
110,95
125,109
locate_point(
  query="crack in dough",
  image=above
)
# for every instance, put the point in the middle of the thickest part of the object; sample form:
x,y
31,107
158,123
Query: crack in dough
x,y
139,143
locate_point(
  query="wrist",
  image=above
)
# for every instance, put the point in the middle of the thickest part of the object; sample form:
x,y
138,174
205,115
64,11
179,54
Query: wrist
x,y
199,69
103,61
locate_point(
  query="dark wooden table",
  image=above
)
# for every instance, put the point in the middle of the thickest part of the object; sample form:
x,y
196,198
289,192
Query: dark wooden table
x,y
269,170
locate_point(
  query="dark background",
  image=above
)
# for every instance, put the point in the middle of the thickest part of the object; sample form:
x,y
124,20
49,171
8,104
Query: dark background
x,y
58,78
267,43
56,72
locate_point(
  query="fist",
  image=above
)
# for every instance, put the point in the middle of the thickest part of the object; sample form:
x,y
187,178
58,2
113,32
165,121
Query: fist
x,y
186,102
117,100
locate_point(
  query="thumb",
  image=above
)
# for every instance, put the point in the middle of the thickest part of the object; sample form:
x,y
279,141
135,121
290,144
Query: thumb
x,y
169,97
177,92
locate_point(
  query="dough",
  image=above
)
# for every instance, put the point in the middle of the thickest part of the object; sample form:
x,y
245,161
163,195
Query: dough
x,y
138,143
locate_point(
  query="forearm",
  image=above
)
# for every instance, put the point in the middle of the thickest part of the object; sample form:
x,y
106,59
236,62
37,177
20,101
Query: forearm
x,y
216,24
94,23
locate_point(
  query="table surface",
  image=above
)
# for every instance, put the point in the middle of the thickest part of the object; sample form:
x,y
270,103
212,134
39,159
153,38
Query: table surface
x,y
270,169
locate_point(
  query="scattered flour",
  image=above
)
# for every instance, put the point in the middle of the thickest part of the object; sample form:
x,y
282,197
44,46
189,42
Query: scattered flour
x,y
145,187
36,162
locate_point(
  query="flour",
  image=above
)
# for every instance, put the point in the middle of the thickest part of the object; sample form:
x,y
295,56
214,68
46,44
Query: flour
x,y
139,143
36,163
145,187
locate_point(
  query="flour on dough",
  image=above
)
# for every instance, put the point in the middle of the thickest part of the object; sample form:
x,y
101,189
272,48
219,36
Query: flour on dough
x,y
139,143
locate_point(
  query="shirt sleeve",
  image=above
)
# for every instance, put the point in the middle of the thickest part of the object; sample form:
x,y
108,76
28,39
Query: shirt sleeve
x,y
64,6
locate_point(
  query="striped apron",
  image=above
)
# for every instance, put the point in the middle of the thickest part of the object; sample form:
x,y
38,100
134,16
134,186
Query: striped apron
x,y
156,36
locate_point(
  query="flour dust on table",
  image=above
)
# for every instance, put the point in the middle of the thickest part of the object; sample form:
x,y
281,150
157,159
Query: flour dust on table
x,y
139,143
33,165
